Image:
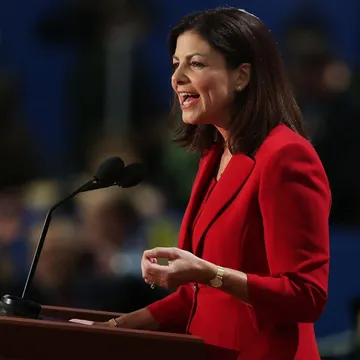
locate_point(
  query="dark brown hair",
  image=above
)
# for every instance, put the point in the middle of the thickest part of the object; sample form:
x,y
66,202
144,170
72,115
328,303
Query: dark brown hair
x,y
268,99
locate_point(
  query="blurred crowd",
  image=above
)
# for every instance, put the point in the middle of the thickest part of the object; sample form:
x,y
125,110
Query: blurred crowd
x,y
115,106
91,257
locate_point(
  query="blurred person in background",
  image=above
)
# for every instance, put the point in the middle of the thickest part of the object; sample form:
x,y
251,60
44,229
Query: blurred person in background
x,y
324,86
17,169
58,267
113,231
115,235
253,258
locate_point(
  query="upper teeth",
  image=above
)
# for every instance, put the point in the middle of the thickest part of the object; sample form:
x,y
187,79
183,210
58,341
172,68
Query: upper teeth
x,y
185,94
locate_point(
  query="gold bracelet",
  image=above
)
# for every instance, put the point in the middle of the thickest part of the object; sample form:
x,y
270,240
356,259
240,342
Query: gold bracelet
x,y
116,324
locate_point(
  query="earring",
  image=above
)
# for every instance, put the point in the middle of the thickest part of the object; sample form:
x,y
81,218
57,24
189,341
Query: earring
x,y
239,88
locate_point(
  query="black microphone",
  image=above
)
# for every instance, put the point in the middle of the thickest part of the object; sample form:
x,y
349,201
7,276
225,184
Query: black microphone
x,y
108,172
132,175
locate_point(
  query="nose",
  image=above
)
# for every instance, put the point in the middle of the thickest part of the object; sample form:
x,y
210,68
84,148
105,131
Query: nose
x,y
179,77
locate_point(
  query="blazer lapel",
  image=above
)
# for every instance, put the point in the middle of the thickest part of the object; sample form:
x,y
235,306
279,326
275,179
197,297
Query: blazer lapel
x,y
234,177
206,166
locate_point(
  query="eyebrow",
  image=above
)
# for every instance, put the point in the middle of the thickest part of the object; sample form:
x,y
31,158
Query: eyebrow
x,y
190,56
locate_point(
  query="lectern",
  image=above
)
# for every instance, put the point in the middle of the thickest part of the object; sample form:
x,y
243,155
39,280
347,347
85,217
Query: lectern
x,y
53,337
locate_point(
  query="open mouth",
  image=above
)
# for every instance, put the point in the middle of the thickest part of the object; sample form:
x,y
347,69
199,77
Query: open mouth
x,y
188,99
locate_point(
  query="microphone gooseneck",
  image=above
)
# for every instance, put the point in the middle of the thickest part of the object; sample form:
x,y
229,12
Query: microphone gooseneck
x,y
107,174
44,233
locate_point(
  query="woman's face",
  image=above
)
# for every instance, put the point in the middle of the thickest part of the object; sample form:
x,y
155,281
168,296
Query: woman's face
x,y
202,81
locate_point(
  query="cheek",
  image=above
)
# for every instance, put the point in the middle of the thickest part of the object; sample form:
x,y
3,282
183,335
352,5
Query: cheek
x,y
218,93
173,84
213,89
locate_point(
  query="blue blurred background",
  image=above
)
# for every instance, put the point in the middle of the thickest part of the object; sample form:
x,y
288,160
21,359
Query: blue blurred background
x,y
81,80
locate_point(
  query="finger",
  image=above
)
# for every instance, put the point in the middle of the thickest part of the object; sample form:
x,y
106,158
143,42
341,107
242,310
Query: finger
x,y
146,274
169,253
145,261
103,324
155,272
146,258
160,277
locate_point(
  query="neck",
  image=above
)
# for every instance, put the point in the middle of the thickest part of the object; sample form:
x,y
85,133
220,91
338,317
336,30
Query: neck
x,y
226,150
225,135
223,132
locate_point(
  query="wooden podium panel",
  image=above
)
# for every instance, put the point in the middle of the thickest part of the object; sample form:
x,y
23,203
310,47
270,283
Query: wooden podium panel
x,y
64,313
55,339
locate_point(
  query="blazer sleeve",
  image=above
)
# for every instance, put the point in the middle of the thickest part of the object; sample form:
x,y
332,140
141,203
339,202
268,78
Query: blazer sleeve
x,y
173,312
295,200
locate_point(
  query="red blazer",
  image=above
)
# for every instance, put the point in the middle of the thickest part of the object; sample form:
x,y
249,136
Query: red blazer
x,y
268,217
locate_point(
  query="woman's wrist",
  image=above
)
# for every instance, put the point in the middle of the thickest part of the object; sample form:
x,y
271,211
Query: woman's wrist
x,y
207,271
140,319
117,321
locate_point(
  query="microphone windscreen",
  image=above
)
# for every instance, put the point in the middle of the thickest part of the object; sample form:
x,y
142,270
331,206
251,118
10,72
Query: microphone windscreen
x,y
110,171
133,175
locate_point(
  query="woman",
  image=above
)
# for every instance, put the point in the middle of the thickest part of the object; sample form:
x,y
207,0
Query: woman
x,y
253,258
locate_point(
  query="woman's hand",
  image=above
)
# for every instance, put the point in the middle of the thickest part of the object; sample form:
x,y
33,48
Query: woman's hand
x,y
109,323
183,267
113,323
139,319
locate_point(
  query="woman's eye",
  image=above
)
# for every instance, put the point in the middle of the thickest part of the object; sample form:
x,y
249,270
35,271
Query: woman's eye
x,y
197,64
175,66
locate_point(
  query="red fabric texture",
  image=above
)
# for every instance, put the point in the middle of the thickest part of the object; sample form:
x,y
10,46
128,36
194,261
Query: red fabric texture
x,y
268,217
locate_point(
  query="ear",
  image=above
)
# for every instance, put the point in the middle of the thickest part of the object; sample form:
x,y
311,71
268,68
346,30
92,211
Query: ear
x,y
244,76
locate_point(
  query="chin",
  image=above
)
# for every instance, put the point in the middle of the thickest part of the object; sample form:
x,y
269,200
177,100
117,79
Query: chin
x,y
193,120
190,122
